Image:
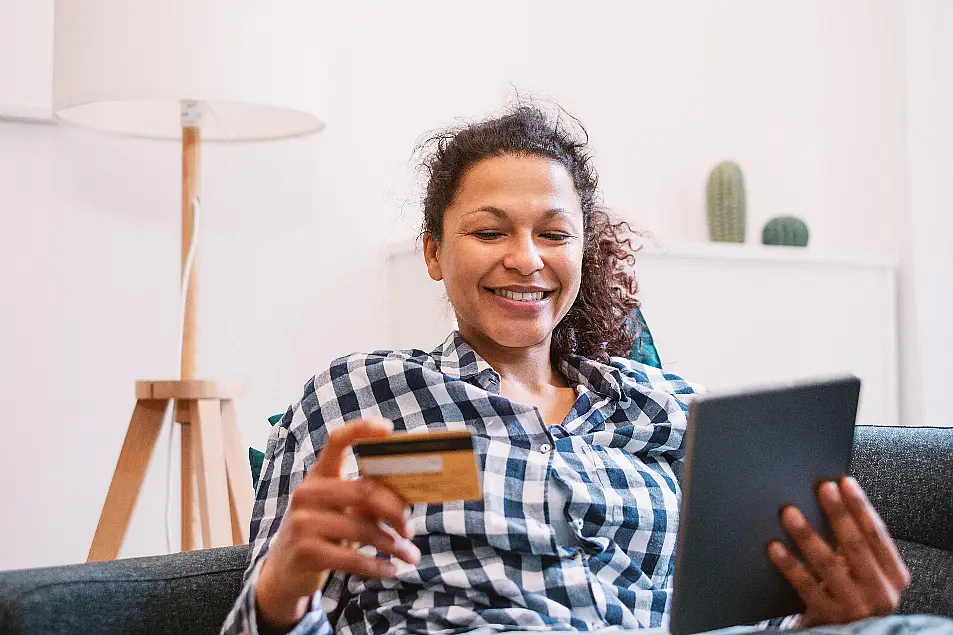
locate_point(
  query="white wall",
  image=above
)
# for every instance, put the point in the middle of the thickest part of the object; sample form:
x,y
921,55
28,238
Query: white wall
x,y
926,317
806,95
26,56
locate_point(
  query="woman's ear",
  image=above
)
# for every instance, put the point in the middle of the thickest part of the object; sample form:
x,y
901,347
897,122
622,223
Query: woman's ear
x,y
431,252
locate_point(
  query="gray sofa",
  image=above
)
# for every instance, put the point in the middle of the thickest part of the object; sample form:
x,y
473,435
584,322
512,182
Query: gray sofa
x,y
908,473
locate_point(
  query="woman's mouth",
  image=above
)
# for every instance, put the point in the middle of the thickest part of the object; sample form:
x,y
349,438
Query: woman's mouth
x,y
531,296
525,301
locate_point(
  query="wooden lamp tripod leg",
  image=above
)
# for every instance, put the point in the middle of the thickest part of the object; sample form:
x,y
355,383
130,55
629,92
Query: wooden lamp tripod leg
x,y
187,487
209,459
137,449
240,493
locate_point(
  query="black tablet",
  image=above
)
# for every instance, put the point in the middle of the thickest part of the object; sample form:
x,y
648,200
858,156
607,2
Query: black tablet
x,y
749,453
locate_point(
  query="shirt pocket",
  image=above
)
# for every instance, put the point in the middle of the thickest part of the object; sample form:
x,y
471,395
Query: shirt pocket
x,y
596,464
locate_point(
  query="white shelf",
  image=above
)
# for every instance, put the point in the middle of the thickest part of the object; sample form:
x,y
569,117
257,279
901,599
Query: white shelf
x,y
763,253
719,252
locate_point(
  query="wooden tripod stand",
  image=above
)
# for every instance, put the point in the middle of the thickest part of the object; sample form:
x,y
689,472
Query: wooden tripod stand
x,y
213,462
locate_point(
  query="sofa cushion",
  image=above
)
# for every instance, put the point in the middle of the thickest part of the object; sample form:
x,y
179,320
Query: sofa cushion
x,y
187,594
908,474
932,570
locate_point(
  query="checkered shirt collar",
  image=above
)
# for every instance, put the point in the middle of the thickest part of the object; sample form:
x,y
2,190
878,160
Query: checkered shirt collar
x,y
457,359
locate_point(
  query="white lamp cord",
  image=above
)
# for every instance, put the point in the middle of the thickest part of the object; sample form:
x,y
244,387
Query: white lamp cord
x,y
186,274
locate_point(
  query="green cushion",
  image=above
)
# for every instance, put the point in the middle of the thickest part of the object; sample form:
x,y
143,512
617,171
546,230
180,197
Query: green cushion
x,y
643,349
256,458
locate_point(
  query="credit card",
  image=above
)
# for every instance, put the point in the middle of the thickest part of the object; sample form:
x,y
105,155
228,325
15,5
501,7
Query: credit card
x,y
429,467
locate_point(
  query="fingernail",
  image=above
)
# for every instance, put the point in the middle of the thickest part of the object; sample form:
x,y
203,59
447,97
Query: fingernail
x,y
410,550
776,550
795,518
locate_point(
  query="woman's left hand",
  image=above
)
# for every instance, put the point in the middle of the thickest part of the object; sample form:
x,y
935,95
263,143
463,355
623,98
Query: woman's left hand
x,y
861,575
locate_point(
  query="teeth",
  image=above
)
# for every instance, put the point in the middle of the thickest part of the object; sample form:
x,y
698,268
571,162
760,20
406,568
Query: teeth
x,y
522,297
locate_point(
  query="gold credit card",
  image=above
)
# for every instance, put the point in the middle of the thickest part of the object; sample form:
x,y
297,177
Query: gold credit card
x,y
429,467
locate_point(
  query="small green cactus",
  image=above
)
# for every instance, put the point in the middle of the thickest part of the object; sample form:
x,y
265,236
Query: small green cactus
x,y
726,203
785,230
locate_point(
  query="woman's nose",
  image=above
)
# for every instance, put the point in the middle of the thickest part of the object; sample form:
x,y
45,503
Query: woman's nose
x,y
524,257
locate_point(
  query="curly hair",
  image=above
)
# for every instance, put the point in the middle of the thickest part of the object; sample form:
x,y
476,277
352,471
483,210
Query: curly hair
x,y
598,324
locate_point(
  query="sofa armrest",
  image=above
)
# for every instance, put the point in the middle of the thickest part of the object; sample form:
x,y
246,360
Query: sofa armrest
x,y
908,474
185,593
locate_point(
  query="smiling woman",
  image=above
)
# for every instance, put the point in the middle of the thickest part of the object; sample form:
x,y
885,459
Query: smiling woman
x,y
579,448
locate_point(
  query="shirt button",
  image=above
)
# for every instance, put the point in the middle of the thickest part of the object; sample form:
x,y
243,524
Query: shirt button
x,y
544,448
578,523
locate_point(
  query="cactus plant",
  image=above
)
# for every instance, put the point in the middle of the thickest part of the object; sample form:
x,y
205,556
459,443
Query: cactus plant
x,y
785,230
726,203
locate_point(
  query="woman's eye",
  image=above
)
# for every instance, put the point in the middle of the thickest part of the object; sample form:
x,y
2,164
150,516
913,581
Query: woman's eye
x,y
556,236
487,235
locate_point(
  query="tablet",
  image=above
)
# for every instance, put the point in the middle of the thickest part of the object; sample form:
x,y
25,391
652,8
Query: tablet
x,y
749,453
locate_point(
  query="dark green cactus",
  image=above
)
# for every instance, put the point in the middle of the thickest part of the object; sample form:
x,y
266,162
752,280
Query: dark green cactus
x,y
726,203
785,230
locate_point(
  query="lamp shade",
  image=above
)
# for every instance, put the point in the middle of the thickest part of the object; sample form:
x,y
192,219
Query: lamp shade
x,y
126,66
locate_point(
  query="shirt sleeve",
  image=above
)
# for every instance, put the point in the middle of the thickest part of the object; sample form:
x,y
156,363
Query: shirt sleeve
x,y
785,623
287,458
678,393
682,390
243,618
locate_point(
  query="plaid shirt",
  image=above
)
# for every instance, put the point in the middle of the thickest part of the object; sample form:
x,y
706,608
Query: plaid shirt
x,y
496,563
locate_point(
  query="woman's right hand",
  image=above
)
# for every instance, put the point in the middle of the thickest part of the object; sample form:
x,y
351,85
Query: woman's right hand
x,y
326,513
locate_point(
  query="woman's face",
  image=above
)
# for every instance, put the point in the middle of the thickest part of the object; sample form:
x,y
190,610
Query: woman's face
x,y
511,252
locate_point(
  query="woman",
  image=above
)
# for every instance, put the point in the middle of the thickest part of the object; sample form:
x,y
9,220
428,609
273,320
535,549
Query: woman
x,y
580,448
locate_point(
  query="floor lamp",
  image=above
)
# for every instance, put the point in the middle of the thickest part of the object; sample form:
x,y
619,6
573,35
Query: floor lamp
x,y
195,70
